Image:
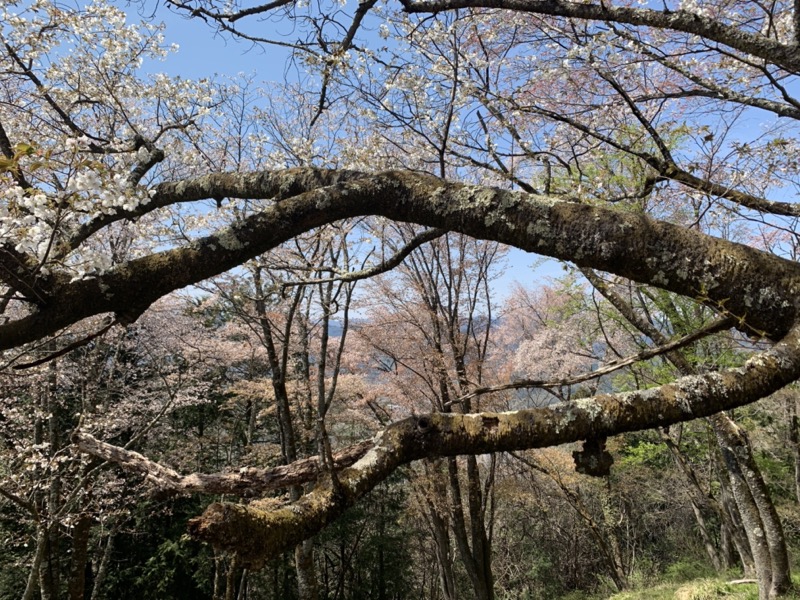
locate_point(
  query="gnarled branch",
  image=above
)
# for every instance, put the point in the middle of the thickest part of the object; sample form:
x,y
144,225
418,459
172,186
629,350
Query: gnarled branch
x,y
246,482
257,535
761,290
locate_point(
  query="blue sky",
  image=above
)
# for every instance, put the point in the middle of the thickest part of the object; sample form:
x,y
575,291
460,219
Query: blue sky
x,y
203,54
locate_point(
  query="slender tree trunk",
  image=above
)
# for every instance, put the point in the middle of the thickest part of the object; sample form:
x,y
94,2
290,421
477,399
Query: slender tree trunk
x,y
473,563
610,518
734,525
230,579
481,549
708,543
307,586
243,586
699,499
33,577
726,547
794,439
381,579
735,441
48,568
433,501
752,522
102,569
80,553
217,592
444,554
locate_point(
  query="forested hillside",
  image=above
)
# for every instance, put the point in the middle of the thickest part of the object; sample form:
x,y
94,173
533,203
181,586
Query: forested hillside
x,y
257,342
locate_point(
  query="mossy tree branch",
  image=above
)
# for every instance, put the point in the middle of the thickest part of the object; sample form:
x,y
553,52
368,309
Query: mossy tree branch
x,y
257,535
759,289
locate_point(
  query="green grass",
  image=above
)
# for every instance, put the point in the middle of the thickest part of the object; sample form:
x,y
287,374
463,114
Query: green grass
x,y
699,589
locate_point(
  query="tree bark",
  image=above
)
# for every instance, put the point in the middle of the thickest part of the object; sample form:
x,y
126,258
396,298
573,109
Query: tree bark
x,y
733,521
698,499
433,501
79,559
33,577
794,439
307,586
708,542
245,482
736,446
105,561
753,526
444,558
258,534
627,244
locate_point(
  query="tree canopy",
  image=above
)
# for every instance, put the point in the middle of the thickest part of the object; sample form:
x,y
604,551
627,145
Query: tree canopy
x,y
645,146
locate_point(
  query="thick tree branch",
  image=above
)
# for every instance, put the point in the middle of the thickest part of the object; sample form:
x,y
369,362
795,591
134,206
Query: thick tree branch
x,y
684,21
761,290
246,482
796,21
257,535
275,185
19,271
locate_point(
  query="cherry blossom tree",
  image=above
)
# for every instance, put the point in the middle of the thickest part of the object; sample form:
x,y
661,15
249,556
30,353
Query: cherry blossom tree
x,y
111,183
437,311
133,387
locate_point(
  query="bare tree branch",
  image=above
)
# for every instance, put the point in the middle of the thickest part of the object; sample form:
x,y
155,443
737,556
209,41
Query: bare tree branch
x,y
710,329
247,482
383,267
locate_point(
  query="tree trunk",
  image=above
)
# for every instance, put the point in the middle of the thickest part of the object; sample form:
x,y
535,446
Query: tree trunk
x,y
102,569
735,441
230,579
444,558
481,546
80,553
48,567
726,547
33,577
698,498
734,526
471,557
794,439
307,586
610,517
708,543
243,586
217,593
751,520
